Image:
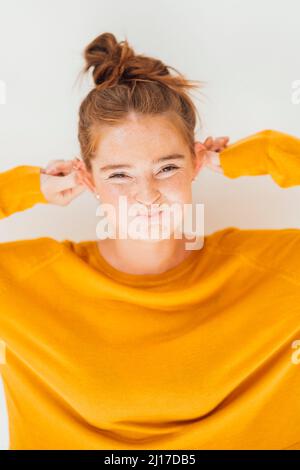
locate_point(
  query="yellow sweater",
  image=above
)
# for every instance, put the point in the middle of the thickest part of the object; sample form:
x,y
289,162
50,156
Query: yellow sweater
x,y
203,356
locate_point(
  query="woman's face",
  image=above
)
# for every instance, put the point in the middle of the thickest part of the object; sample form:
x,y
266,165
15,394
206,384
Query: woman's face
x,y
147,161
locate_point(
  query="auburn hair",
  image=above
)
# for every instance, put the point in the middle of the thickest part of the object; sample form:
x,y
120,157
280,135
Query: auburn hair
x,y
126,82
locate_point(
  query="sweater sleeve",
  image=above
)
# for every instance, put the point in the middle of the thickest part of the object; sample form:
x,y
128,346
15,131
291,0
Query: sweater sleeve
x,y
267,152
20,189
25,265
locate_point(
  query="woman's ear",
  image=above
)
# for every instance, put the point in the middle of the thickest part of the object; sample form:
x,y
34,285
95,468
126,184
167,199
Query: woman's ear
x,y
89,179
200,158
85,174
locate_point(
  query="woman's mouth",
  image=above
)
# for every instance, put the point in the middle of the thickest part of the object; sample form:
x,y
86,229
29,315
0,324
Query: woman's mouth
x,y
150,215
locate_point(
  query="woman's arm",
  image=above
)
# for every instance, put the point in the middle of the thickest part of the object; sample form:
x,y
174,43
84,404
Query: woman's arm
x,y
20,189
24,186
277,154
266,152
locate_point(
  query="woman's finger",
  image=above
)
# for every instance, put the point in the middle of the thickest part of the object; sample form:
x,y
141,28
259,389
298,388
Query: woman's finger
x,y
63,166
219,143
59,166
213,158
208,142
224,141
69,194
52,163
63,183
213,161
78,163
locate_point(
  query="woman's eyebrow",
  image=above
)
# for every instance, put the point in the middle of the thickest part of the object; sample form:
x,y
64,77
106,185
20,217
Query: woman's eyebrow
x,y
174,156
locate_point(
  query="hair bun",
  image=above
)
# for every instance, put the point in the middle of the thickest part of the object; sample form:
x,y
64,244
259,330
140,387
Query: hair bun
x,y
107,57
114,62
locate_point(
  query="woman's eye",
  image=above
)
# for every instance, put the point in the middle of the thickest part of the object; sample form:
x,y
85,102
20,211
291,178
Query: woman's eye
x,y
117,175
166,169
173,167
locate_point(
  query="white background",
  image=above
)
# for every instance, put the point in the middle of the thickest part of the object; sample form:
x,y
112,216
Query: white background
x,y
246,51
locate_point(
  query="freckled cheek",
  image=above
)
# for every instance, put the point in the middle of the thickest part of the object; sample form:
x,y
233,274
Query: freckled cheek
x,y
110,194
177,190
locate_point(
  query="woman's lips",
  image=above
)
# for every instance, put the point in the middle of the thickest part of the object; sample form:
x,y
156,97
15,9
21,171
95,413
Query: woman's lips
x,y
150,215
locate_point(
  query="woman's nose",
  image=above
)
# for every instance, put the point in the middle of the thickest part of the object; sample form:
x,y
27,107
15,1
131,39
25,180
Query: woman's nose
x,y
147,193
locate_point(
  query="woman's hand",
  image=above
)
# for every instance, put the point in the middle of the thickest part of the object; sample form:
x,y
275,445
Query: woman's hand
x,y
211,150
63,180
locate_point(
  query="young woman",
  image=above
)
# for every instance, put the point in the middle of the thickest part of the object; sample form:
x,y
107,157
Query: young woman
x,y
135,343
